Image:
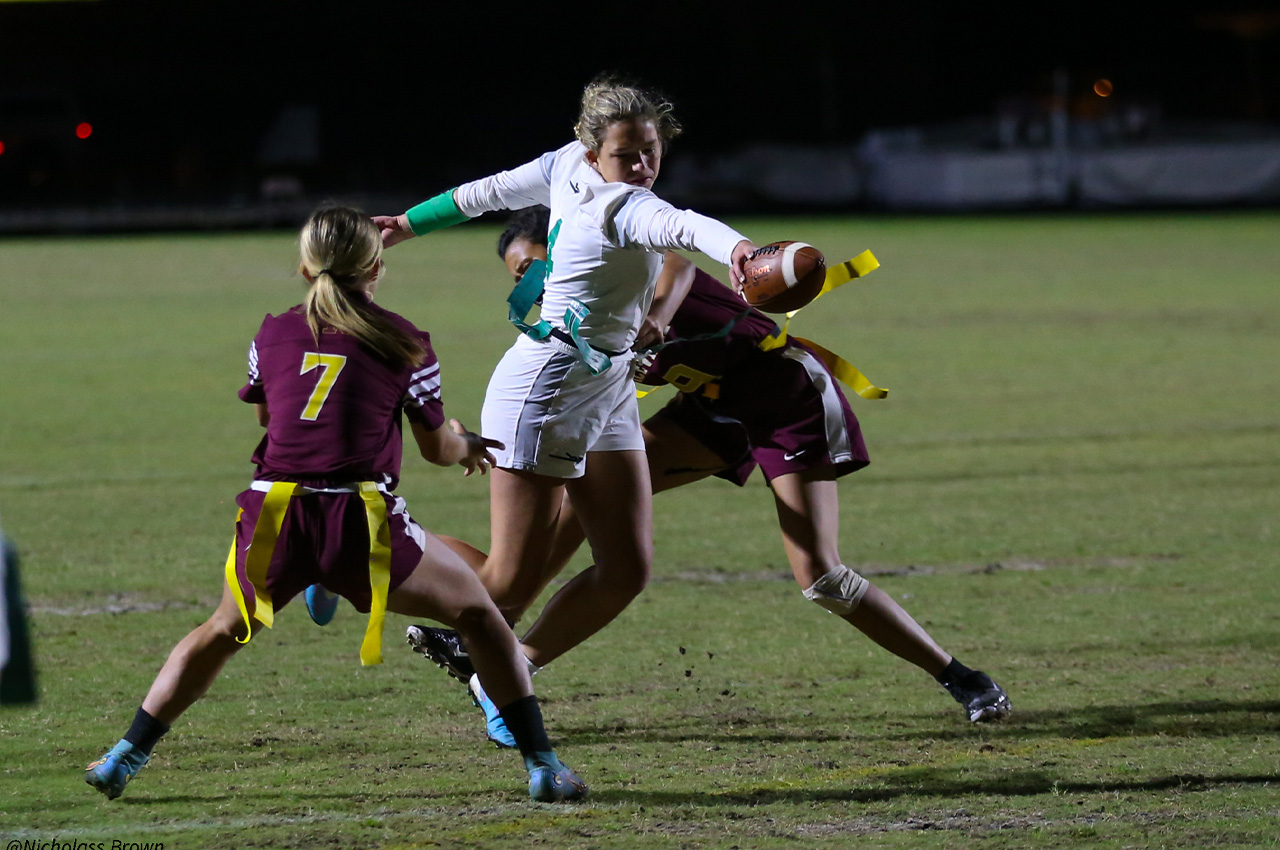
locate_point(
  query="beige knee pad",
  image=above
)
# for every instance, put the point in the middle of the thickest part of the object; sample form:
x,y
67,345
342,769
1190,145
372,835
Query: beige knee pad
x,y
839,591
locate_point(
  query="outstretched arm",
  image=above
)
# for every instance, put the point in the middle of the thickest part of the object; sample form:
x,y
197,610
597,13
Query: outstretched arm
x,y
645,219
520,187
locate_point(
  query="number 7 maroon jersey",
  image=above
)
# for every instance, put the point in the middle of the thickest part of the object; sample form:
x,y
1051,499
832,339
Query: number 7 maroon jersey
x,y
335,405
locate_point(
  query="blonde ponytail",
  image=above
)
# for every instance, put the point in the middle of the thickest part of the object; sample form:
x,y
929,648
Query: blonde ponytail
x,y
340,250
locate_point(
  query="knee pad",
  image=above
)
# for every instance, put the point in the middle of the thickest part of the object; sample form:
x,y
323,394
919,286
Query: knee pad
x,y
839,591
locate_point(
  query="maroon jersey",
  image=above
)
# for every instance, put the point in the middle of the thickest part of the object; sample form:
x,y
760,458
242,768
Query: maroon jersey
x,y
713,331
335,405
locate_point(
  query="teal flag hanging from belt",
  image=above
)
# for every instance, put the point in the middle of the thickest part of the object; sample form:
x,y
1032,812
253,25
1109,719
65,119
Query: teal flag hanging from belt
x,y
528,291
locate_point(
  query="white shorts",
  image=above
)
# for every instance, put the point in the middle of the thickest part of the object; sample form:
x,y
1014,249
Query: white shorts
x,y
548,409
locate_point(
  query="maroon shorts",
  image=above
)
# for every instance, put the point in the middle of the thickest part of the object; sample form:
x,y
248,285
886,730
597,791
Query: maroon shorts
x,y
324,539
781,410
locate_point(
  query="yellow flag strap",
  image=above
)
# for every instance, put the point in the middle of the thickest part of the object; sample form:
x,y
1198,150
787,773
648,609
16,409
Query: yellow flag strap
x,y
375,509
863,264
233,582
844,370
263,543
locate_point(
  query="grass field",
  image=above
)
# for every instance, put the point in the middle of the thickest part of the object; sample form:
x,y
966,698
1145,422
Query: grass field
x,y
1075,486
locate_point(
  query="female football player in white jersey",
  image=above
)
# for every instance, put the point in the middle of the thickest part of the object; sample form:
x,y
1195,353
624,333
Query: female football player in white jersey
x,y
561,399
741,405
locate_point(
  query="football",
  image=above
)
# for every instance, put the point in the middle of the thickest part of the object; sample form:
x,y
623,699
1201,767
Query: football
x,y
783,276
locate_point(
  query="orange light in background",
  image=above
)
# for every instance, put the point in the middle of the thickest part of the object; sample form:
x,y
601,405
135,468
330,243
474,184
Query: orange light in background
x,y
84,130
1102,88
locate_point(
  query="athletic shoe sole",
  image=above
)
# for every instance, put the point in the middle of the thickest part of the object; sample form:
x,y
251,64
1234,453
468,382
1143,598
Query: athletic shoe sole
x,y
993,711
425,642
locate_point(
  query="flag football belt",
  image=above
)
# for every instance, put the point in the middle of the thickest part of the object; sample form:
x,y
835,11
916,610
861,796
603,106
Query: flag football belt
x,y
263,543
837,276
528,292
570,340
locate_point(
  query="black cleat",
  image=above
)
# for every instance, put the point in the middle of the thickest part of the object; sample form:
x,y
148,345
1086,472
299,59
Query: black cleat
x,y
444,648
983,699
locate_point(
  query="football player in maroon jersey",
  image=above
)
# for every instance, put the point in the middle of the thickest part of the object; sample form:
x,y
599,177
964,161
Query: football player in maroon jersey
x,y
331,380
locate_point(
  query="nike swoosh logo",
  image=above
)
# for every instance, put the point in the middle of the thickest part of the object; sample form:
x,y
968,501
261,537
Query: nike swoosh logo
x,y
573,186
570,458
790,456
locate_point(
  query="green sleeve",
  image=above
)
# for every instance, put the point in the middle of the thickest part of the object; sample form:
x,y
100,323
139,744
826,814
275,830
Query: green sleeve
x,y
434,214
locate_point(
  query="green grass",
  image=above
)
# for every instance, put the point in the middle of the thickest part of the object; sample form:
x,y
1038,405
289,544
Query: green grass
x,y
1075,486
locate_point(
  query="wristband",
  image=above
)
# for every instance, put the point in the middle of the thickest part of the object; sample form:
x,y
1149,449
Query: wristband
x,y
434,214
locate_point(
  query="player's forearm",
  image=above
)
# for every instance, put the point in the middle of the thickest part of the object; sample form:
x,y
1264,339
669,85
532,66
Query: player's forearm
x,y
434,214
448,449
439,446
673,284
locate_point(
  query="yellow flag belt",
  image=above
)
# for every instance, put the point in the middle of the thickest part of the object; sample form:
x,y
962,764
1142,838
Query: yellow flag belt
x,y
258,558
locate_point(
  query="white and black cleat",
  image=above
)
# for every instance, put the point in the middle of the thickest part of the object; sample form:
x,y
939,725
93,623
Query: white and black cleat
x,y
983,700
444,648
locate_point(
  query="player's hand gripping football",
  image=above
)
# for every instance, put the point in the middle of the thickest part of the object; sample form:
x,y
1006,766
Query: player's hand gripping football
x,y
737,262
478,457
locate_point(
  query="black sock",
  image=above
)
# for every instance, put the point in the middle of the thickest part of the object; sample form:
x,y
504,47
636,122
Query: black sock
x,y
953,672
524,720
145,731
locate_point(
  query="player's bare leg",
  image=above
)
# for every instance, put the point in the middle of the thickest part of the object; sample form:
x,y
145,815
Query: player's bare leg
x,y
809,515
194,664
674,457
613,500
523,508
445,589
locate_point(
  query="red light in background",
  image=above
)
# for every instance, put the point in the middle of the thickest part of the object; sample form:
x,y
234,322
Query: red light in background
x,y
1103,88
1,147
84,130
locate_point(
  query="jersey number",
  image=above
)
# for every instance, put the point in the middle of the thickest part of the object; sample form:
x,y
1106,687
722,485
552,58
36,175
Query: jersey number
x,y
687,379
330,366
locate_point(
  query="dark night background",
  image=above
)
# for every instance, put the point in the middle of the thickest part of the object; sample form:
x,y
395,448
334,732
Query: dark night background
x,y
417,96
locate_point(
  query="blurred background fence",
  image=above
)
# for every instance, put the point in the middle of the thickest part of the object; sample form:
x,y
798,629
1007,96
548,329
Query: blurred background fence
x,y
137,115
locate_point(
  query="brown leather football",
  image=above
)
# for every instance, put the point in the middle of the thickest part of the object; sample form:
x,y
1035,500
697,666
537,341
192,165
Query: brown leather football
x,y
783,276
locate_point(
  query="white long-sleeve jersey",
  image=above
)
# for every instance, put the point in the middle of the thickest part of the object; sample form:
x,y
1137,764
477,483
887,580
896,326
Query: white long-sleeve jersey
x,y
608,250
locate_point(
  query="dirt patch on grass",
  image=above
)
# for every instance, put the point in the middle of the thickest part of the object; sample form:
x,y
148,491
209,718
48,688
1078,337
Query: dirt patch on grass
x,y
116,603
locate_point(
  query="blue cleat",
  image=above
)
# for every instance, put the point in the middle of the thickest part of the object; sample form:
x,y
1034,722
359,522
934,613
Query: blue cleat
x,y
551,782
321,604
495,727
113,771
